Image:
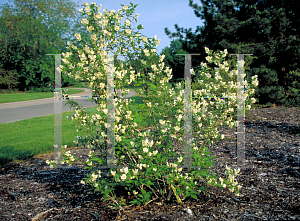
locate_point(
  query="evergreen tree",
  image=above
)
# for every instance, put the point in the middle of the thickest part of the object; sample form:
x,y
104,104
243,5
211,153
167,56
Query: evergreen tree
x,y
173,61
267,29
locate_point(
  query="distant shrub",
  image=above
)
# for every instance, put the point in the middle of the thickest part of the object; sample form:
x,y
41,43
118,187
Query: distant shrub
x,y
8,79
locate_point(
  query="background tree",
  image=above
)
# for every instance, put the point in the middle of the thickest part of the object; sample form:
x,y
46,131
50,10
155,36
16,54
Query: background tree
x,y
267,29
36,30
8,79
176,62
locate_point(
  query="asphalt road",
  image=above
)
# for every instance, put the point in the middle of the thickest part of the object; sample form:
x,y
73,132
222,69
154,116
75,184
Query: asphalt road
x,y
17,111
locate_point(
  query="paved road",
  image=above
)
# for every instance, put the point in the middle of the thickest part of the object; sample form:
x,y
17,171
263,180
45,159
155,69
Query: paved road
x,y
17,111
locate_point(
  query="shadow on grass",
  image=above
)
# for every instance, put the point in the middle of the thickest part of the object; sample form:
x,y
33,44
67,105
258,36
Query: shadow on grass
x,y
7,155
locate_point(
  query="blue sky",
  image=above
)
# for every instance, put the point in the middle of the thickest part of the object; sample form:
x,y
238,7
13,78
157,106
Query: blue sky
x,y
155,15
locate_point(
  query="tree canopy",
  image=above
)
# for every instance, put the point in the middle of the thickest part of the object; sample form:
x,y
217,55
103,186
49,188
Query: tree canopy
x,y
31,30
267,29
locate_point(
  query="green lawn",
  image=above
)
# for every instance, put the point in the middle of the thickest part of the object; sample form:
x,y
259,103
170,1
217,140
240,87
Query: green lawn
x,y
31,137
9,98
16,97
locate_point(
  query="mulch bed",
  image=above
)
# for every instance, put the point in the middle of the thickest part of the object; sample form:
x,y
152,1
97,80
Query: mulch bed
x,y
30,190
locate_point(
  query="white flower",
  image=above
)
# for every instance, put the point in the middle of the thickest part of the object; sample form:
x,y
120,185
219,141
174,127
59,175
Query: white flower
x,y
135,172
90,154
241,63
180,159
113,173
253,100
128,31
206,50
145,150
78,36
154,169
84,21
222,136
162,122
123,177
125,8
135,193
145,40
155,152
179,117
236,171
126,170
208,58
227,168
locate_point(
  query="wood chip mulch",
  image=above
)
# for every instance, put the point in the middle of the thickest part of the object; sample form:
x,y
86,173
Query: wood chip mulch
x,y
30,190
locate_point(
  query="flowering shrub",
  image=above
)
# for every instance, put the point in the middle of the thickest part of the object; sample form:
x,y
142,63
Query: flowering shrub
x,y
151,170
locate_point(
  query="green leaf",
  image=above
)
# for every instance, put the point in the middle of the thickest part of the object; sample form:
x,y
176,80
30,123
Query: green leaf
x,y
202,189
194,196
139,27
133,201
149,183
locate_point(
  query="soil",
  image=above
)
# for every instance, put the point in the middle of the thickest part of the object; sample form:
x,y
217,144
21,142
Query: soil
x,y
30,190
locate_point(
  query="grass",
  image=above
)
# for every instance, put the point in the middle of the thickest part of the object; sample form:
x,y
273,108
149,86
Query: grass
x,y
9,98
18,96
27,138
